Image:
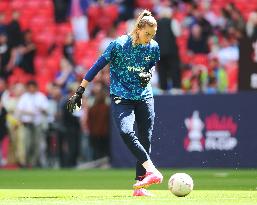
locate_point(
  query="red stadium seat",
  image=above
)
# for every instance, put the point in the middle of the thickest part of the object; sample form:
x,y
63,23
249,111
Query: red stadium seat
x,y
111,11
32,5
47,4
179,16
101,35
25,18
146,4
4,6
200,59
47,13
43,81
19,76
64,28
17,4
102,17
43,42
38,62
93,14
122,28
38,23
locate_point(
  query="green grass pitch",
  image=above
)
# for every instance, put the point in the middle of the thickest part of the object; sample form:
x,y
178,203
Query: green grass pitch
x,y
114,187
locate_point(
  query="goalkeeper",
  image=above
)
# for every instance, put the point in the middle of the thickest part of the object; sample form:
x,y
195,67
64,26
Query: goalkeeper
x,y
131,59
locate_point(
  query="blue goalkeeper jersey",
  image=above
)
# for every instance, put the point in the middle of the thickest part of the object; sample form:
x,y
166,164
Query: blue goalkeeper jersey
x,y
126,62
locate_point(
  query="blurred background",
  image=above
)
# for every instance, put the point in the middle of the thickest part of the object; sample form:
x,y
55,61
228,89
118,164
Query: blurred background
x,y
204,85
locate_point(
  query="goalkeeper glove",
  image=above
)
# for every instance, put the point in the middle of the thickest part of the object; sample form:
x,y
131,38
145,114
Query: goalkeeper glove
x,y
145,78
75,100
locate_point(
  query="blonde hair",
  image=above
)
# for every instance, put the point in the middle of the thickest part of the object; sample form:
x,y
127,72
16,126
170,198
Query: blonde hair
x,y
144,19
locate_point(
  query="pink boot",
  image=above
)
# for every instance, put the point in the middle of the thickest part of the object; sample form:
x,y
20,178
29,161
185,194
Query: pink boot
x,y
141,192
150,178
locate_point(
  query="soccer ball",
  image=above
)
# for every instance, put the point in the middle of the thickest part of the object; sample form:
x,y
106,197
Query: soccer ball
x,y
180,184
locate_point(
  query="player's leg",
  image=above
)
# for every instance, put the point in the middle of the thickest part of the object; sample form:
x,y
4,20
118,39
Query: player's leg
x,y
124,115
123,112
144,113
145,120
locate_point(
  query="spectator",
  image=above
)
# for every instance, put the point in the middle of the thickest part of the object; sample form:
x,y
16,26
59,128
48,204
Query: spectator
x,y
197,42
251,25
212,85
98,124
6,60
61,10
32,112
14,32
2,23
220,74
79,21
16,149
86,149
229,52
223,21
3,130
169,64
69,134
237,20
68,48
28,52
126,9
54,99
2,85
199,19
65,76
209,14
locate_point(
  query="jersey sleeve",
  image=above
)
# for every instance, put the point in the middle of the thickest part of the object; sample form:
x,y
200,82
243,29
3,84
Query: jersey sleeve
x,y
157,54
99,65
109,52
156,57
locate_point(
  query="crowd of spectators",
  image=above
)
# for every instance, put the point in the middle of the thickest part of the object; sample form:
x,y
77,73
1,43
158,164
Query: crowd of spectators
x,y
46,47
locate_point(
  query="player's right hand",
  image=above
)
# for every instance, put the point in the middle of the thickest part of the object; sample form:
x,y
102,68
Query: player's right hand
x,y
75,100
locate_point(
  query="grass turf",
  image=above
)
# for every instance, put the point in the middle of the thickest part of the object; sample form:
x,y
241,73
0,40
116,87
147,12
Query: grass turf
x,y
101,187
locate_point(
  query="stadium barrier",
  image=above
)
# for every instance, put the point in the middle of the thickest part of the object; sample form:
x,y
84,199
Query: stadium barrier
x,y
199,131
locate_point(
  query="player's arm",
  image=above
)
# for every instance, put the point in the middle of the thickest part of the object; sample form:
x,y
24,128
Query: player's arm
x,y
76,99
105,58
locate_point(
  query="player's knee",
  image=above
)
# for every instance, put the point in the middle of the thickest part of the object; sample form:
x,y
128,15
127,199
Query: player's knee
x,y
125,134
128,137
126,130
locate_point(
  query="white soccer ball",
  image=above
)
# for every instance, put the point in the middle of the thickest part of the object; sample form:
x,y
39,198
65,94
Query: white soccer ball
x,y
180,184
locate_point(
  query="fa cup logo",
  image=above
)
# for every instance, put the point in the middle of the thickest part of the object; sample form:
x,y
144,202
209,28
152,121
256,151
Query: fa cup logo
x,y
193,142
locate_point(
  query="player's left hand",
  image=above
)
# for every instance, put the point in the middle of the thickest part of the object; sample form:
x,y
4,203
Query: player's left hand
x,y
145,78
